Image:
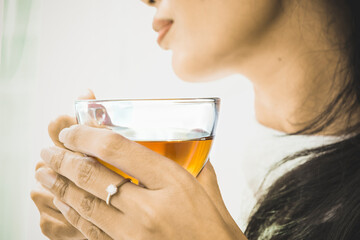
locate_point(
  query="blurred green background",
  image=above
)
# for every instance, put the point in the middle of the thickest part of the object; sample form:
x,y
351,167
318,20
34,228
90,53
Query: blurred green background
x,y
17,77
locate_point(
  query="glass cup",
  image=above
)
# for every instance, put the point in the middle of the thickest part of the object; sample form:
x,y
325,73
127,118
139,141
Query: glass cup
x,y
179,129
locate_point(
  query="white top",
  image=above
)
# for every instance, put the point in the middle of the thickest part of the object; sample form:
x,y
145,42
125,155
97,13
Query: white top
x,y
261,151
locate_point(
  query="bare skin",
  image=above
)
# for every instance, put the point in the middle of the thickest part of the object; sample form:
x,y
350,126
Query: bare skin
x,y
288,51
136,213
60,225
52,223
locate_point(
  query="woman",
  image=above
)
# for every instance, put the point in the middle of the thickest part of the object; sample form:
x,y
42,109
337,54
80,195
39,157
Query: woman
x,y
303,58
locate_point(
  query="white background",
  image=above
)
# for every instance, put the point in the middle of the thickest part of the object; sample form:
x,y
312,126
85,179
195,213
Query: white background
x,y
110,47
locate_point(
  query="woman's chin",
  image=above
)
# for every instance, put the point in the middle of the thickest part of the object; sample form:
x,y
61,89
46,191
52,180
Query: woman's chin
x,y
191,70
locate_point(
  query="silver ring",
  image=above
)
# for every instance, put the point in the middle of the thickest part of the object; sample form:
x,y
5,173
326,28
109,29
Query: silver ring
x,y
112,189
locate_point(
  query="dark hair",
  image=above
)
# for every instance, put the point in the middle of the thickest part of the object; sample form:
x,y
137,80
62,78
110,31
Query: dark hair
x,y
320,199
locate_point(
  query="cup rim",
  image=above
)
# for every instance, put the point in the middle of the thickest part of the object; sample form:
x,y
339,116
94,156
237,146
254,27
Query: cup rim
x,y
182,100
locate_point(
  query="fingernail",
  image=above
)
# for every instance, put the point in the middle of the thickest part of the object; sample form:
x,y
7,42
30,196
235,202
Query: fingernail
x,y
39,165
63,134
63,207
45,177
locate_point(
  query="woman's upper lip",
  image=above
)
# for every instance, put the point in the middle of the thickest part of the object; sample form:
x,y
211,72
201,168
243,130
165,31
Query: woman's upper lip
x,y
159,24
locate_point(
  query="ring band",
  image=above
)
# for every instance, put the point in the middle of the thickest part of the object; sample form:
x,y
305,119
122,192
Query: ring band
x,y
112,189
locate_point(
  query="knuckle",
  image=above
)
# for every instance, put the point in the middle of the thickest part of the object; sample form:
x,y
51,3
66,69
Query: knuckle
x,y
73,218
88,169
183,181
151,218
112,144
56,160
87,205
61,186
189,186
93,233
186,191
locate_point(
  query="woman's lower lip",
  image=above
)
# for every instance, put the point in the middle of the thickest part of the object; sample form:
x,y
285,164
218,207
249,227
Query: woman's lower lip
x,y
163,32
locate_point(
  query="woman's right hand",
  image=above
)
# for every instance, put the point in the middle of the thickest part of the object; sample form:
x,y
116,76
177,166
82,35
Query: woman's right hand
x,y
53,224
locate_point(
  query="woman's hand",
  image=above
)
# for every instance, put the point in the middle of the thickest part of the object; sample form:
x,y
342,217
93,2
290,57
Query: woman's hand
x,y
53,224
171,205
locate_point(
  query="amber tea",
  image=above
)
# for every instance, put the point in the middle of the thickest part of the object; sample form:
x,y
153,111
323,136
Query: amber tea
x,y
180,129
190,154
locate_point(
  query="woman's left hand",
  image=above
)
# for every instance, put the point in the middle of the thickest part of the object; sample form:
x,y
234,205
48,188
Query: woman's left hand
x,y
171,205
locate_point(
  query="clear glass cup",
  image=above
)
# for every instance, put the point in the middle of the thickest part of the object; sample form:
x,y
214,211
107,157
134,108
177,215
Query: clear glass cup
x,y
179,129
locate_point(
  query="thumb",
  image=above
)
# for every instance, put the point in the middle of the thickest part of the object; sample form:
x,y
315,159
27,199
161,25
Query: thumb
x,y
57,125
62,122
208,180
88,94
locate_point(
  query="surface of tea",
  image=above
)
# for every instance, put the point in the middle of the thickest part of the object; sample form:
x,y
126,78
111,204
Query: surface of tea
x,y
190,154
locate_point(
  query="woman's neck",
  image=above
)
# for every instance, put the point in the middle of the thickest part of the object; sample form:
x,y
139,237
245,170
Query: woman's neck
x,y
293,71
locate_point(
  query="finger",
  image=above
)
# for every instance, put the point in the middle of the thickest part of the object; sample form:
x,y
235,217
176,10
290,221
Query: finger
x,y
57,125
43,199
39,165
62,122
89,230
207,178
89,94
93,177
87,205
57,229
152,169
53,224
